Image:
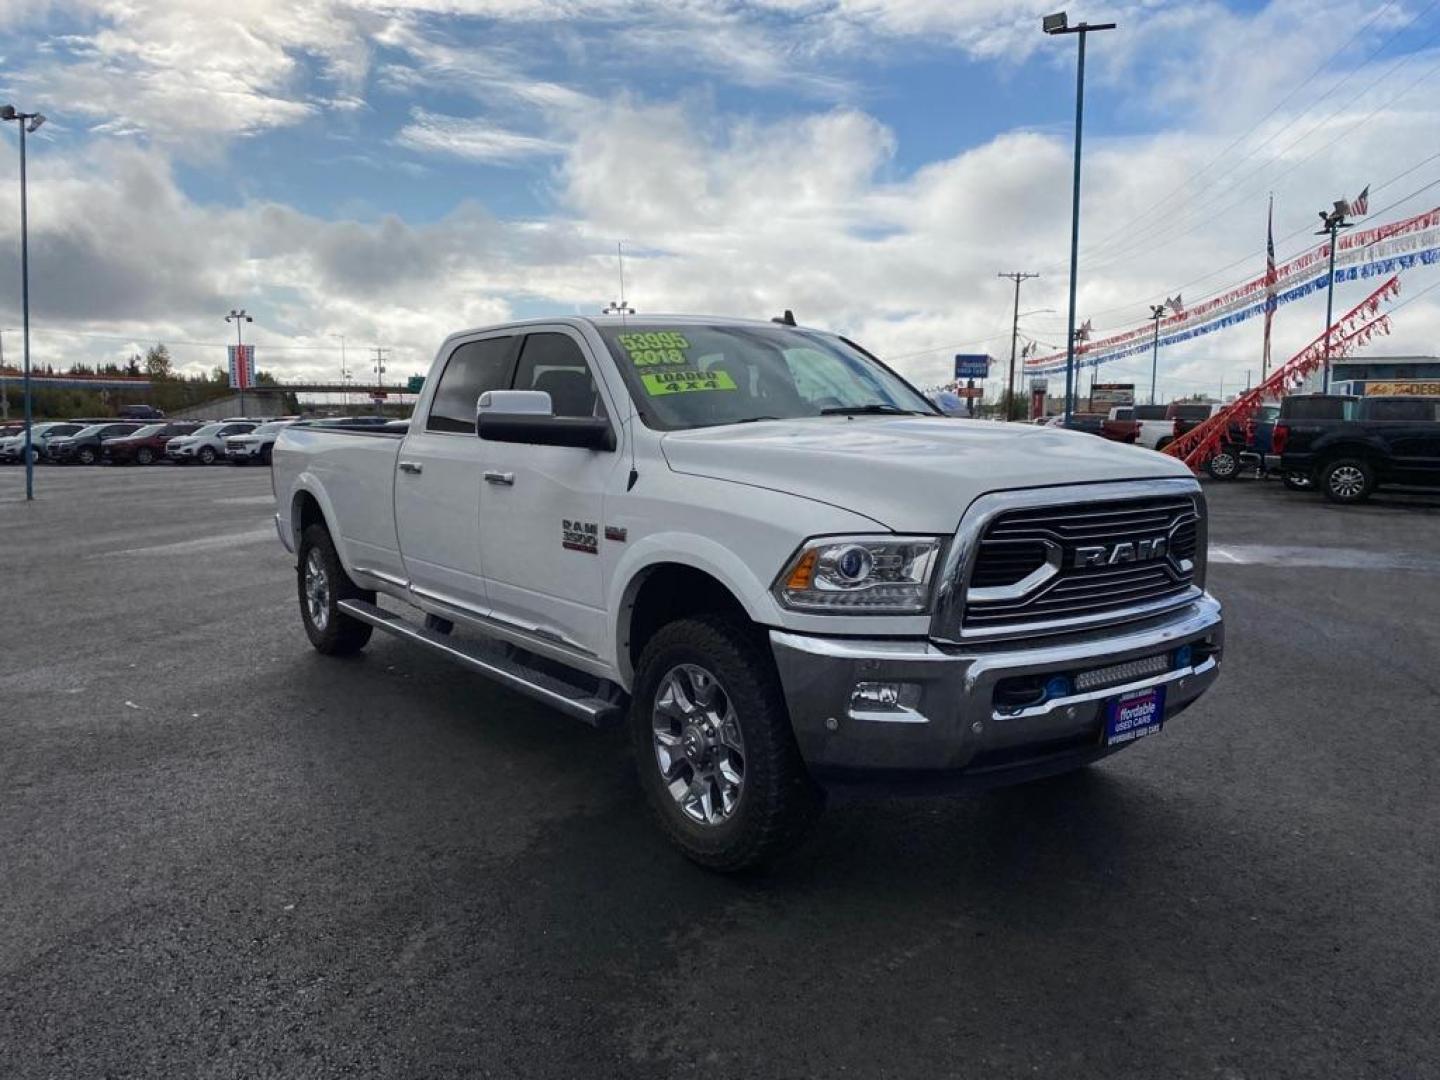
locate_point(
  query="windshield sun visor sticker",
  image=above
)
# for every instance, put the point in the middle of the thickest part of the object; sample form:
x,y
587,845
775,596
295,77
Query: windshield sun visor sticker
x,y
660,383
652,348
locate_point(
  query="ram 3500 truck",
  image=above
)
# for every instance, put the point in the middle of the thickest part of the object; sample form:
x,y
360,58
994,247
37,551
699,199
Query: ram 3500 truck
x,y
769,555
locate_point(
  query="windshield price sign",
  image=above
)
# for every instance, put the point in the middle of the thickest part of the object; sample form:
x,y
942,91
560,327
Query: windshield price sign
x,y
972,366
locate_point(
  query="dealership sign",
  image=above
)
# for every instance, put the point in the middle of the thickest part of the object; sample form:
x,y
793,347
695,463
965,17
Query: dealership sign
x,y
1409,388
1112,394
972,366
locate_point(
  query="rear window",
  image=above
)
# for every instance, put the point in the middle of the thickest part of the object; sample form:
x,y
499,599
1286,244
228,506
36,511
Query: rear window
x,y
1124,414
1190,412
1396,409
1317,408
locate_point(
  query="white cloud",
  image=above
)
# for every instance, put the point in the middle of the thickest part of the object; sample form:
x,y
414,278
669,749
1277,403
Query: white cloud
x,y
473,139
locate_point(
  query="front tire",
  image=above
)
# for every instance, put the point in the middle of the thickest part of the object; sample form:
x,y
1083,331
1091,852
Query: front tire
x,y
207,455
144,456
87,456
713,745
1347,480
1225,465
322,583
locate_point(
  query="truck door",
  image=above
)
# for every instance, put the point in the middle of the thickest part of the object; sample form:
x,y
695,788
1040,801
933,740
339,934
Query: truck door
x,y
437,479
541,507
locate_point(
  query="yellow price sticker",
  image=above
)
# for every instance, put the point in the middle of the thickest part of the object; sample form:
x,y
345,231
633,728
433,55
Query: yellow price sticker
x,y
655,347
660,383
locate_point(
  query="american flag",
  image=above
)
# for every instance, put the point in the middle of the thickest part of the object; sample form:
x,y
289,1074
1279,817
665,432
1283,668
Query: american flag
x,y
1175,304
1360,205
1270,281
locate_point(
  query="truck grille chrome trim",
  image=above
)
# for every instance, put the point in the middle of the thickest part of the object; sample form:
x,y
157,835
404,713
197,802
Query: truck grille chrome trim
x,y
1126,551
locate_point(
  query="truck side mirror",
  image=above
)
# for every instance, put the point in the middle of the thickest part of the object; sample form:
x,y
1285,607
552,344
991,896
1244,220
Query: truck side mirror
x,y
527,416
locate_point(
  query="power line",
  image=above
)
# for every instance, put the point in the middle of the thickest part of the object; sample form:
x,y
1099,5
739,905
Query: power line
x,y
1163,202
1139,242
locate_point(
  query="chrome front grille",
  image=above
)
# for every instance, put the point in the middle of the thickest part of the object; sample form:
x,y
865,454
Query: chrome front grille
x,y
1073,559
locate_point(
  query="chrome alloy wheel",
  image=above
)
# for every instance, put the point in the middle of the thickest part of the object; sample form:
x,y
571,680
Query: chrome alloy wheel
x,y
317,590
1347,481
1224,464
698,745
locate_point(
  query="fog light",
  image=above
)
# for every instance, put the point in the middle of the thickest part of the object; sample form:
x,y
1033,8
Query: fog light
x,y
886,701
1183,655
1057,687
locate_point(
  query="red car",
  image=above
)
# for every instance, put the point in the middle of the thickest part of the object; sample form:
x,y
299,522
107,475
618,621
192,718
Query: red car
x,y
146,446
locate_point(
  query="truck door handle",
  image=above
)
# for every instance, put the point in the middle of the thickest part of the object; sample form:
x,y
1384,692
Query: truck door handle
x,y
412,467
493,476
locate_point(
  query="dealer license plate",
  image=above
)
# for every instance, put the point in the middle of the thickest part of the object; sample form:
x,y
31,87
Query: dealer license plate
x,y
1134,715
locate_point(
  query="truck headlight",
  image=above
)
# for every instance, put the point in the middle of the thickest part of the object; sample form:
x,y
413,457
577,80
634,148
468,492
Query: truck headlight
x,y
864,575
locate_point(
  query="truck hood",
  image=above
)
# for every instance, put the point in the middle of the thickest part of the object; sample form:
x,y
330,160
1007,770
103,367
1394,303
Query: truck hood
x,y
911,474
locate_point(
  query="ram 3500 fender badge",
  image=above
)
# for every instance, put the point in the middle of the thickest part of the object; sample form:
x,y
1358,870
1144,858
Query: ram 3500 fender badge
x,y
580,536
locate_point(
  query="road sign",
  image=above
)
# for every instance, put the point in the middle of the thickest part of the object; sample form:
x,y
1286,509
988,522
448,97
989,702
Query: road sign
x,y
970,391
416,384
972,366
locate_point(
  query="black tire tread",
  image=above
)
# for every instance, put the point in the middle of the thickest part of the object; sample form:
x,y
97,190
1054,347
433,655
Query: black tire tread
x,y
343,636
1323,480
781,800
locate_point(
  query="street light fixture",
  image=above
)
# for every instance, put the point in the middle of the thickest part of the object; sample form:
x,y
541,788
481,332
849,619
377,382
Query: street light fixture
x,y
1332,222
239,318
1055,25
28,123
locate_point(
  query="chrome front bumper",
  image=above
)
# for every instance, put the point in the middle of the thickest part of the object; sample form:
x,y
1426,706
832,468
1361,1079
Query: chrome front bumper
x,y
956,734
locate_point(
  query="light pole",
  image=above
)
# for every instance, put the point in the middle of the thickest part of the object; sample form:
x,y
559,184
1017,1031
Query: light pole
x,y
1332,221
28,123
344,376
239,318
1157,312
1017,276
1059,24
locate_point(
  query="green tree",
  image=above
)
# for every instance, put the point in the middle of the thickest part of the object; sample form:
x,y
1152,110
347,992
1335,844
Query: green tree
x,y
157,362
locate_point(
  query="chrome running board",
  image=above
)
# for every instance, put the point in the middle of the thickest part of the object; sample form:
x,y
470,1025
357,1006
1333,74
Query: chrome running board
x,y
494,664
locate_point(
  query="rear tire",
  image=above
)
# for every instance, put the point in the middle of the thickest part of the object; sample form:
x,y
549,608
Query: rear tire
x,y
1347,480
713,745
321,583
1163,443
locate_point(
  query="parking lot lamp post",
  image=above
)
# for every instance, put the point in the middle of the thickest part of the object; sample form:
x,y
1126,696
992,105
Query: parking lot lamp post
x,y
239,318
1157,312
1059,24
1333,221
28,123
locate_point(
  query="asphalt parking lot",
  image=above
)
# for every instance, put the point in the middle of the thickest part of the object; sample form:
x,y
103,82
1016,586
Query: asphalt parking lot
x,y
222,855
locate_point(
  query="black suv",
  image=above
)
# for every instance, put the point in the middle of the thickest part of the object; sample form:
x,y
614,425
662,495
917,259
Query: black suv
x,y
83,448
1378,440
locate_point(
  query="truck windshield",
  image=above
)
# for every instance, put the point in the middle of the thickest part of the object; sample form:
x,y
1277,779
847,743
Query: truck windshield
x,y
699,375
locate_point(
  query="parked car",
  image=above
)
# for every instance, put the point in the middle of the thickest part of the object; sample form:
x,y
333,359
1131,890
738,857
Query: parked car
x,y
255,448
84,447
1090,423
1156,429
12,448
141,412
1121,425
743,537
146,446
207,444
1307,407
1386,440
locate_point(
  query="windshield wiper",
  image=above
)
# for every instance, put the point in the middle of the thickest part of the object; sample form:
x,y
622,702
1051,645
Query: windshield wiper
x,y
753,419
873,409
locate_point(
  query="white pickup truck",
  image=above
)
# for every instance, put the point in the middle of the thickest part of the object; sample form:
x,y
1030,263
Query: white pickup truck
x,y
769,555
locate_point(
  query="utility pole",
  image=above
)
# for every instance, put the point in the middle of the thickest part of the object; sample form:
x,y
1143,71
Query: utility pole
x,y
1332,222
344,375
239,318
379,378
1058,24
27,123
1016,276
1157,312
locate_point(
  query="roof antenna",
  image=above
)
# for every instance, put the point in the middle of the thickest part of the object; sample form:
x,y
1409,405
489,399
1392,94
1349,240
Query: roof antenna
x,y
788,319
619,307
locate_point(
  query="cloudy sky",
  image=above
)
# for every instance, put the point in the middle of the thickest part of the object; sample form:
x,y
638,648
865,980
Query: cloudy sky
x,y
392,171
